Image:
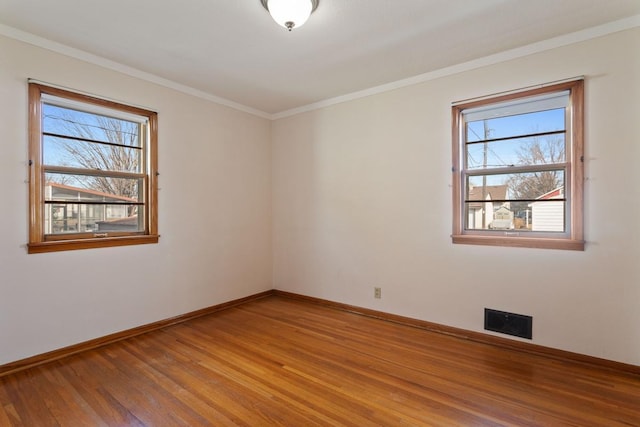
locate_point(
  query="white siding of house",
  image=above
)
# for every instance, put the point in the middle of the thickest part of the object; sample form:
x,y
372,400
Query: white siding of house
x,y
475,217
547,216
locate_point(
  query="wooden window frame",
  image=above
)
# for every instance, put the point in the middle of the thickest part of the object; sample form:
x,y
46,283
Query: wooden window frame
x,y
572,239
40,242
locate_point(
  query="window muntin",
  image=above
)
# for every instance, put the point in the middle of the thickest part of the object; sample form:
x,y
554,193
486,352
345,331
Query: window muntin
x,y
93,172
518,169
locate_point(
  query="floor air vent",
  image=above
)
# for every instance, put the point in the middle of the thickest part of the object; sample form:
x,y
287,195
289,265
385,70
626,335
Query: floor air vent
x,y
508,323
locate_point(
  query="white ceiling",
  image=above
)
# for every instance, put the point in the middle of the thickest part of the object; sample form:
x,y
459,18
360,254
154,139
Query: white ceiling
x,y
231,49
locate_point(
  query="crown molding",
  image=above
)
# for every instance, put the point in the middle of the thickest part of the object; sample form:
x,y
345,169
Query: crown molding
x,y
560,41
60,48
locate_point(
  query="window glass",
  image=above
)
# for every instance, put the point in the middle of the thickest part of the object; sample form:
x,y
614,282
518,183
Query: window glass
x,y
73,123
537,122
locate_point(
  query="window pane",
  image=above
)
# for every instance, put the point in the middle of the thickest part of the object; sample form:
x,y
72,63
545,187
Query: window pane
x,y
489,216
516,217
516,125
87,188
516,186
61,218
81,154
536,150
95,127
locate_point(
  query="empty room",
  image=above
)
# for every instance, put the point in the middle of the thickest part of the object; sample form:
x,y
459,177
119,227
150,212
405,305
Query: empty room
x,y
320,213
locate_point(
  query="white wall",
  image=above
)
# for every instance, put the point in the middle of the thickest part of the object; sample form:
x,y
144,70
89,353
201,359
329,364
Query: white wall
x,y
214,216
362,198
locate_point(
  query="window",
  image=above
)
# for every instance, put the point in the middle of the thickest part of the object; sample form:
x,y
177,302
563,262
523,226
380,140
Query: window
x,y
93,174
518,169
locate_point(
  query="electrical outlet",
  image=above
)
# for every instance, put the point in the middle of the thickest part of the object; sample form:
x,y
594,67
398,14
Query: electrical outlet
x,y
377,292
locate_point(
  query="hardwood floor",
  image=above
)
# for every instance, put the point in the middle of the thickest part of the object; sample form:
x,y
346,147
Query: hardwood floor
x,y
278,361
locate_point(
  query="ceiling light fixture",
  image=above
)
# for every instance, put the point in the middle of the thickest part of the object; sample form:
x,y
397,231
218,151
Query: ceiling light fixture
x,y
290,13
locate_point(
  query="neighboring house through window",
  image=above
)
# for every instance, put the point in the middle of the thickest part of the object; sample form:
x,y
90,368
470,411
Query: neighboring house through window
x,y
93,172
518,168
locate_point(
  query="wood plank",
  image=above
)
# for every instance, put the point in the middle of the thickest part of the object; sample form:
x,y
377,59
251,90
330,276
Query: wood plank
x,y
282,361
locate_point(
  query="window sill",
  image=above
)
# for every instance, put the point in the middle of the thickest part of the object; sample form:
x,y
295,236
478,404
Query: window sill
x,y
105,242
520,242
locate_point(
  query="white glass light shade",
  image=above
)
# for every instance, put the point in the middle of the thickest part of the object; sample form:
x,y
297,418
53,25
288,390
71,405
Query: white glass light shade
x,y
290,13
